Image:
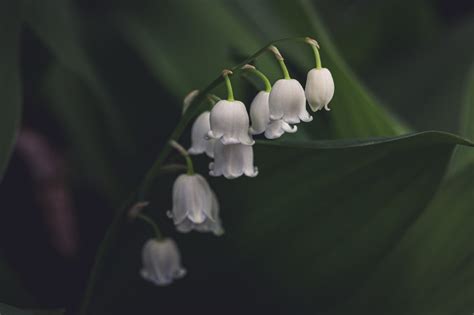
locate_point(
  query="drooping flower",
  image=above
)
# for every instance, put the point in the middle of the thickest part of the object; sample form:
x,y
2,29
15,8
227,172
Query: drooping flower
x,y
259,113
288,102
161,262
200,143
195,206
232,161
319,88
277,128
230,123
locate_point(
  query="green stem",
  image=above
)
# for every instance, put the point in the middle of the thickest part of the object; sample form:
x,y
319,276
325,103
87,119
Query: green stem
x,y
228,84
195,108
189,164
152,223
316,56
263,77
185,154
284,69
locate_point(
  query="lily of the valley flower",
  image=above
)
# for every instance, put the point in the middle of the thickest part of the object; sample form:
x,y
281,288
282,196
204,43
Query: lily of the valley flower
x,y
161,262
277,128
319,88
260,116
195,206
259,113
288,102
230,123
232,161
199,141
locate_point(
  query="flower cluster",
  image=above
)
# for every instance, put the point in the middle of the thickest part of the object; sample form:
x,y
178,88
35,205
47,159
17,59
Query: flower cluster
x,y
225,134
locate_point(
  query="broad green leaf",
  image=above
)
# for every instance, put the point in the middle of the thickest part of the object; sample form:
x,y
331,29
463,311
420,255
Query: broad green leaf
x,y
355,113
57,25
10,310
303,235
465,156
72,104
10,94
426,86
182,61
431,270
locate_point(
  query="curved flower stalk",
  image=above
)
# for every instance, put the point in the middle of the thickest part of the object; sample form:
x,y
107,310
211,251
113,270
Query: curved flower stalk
x,y
189,98
161,262
195,206
200,143
287,99
232,161
229,120
319,87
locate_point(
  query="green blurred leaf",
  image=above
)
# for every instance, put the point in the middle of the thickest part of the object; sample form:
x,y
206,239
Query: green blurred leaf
x,y
465,156
309,247
10,310
165,36
10,94
73,105
431,270
57,25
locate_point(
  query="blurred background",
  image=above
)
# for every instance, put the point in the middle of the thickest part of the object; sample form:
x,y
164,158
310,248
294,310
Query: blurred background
x,y
102,83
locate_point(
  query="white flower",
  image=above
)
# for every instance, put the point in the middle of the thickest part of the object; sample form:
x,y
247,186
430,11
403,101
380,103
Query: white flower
x,y
277,128
288,102
230,123
199,141
319,88
161,262
259,113
232,161
195,205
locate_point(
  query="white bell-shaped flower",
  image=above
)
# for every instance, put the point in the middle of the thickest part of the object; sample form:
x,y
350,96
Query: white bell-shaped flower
x,y
319,88
288,102
230,123
200,143
232,161
277,128
259,113
161,262
195,206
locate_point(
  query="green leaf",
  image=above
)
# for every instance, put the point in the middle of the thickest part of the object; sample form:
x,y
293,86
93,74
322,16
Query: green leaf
x,y
431,270
181,60
355,113
10,94
10,310
304,234
465,156
56,24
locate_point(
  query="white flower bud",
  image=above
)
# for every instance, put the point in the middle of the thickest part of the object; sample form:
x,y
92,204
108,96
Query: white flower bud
x,y
259,113
232,161
161,262
199,141
230,123
195,206
319,88
288,102
277,128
